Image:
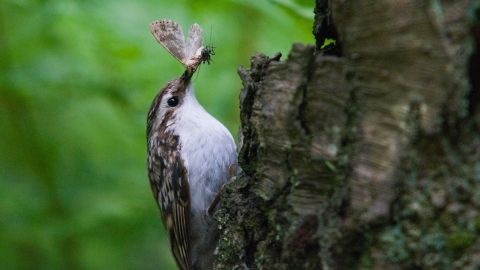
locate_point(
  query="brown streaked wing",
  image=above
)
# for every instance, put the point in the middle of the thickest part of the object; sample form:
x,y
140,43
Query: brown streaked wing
x,y
177,218
179,241
173,197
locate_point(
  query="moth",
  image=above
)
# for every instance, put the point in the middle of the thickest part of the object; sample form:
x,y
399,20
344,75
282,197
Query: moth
x,y
190,53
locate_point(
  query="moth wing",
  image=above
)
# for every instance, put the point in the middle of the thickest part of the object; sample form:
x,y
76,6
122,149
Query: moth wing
x,y
170,35
194,40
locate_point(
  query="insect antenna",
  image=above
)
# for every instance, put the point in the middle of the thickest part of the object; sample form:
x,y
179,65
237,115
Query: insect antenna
x,y
208,51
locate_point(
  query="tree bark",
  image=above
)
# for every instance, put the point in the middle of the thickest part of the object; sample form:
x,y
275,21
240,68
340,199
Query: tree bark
x,y
364,155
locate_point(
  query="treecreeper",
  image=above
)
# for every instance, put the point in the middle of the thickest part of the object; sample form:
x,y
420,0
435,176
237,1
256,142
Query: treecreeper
x,y
190,154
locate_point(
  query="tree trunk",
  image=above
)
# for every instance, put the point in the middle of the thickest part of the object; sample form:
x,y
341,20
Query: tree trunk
x,y
366,154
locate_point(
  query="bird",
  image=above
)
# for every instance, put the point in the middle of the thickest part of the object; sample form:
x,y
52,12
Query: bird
x,y
189,158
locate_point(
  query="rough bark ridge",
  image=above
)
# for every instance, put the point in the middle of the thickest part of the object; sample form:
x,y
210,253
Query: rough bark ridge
x,y
365,159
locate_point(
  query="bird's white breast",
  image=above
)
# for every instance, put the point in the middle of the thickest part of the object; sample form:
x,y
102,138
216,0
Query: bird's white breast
x,y
208,150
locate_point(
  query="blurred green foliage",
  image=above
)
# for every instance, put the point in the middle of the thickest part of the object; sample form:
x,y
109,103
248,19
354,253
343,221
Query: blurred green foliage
x,y
77,79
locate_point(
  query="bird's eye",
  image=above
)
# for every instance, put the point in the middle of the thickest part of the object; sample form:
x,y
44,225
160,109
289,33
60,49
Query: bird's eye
x,y
172,102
